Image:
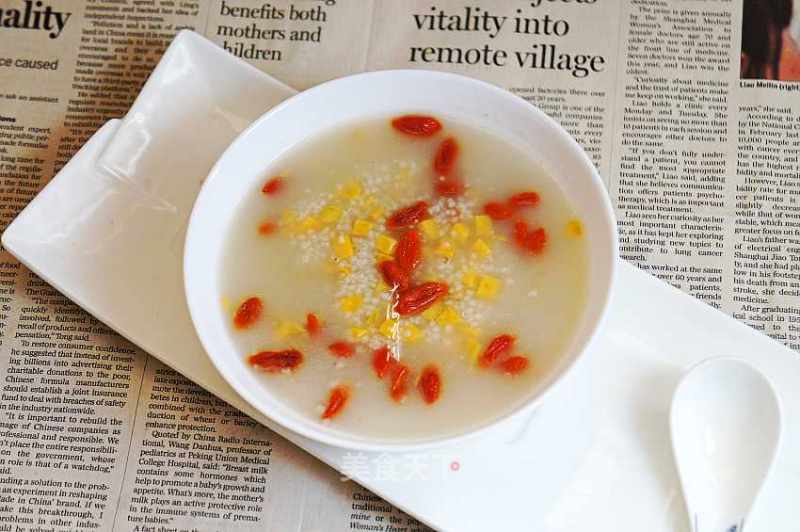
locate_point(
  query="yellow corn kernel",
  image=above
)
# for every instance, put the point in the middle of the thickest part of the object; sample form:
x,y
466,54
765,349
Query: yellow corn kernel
x,y
361,227
289,217
309,223
385,244
460,232
374,207
483,225
376,318
473,348
481,248
351,303
432,312
342,246
289,328
380,257
358,332
343,270
380,287
445,249
448,316
430,229
330,214
469,278
351,189
467,329
488,287
411,333
388,328
575,228
376,213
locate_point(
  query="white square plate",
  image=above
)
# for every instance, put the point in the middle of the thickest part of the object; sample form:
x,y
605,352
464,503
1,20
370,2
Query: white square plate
x,y
108,233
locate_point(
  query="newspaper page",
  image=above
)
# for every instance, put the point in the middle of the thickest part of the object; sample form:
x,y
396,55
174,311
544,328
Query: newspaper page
x,y
688,109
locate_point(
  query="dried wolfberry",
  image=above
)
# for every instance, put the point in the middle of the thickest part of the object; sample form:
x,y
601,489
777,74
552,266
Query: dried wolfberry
x,y
535,241
514,365
524,199
267,228
430,384
417,125
337,399
499,345
248,312
520,232
498,211
393,275
273,186
342,349
408,216
408,252
420,298
274,361
532,242
313,325
399,386
446,155
449,187
383,361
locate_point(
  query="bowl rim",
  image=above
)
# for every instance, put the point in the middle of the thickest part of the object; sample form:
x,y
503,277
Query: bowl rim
x,y
323,435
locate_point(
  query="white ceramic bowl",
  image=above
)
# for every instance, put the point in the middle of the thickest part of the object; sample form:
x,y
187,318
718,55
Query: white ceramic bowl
x,y
349,100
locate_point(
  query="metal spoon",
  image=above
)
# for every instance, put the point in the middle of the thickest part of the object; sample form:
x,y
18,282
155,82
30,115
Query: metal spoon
x,y
726,427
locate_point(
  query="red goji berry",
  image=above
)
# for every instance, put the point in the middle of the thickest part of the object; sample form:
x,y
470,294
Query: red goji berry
x,y
399,386
514,365
449,187
532,242
267,228
498,211
430,384
520,232
393,275
248,313
273,186
342,349
408,252
446,156
274,361
383,361
499,345
535,241
417,125
337,399
420,298
524,199
408,216
313,325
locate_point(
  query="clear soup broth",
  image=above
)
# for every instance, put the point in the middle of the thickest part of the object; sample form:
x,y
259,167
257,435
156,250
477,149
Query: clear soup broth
x,y
406,277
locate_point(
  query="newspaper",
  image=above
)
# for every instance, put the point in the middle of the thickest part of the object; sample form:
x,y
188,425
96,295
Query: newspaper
x,y
688,109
